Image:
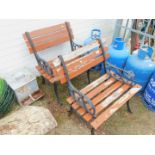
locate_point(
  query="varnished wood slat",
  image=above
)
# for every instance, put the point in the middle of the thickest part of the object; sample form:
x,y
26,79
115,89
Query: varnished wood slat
x,y
101,96
93,93
46,30
81,61
94,84
114,107
90,86
48,38
96,90
83,68
108,101
48,44
80,51
46,75
81,65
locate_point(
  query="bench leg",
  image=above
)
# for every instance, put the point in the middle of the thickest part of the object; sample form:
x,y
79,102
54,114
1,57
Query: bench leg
x,y
92,131
56,92
70,112
88,76
128,107
42,80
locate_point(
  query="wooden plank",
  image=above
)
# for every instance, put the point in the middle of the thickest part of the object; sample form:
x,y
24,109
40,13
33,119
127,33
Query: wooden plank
x,y
100,97
83,68
76,53
48,44
46,75
93,93
114,107
90,86
46,30
100,88
107,101
48,38
80,65
78,62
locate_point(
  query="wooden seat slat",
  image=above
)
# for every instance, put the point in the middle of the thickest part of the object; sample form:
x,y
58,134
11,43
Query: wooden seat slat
x,y
101,96
114,107
98,98
90,86
101,106
96,90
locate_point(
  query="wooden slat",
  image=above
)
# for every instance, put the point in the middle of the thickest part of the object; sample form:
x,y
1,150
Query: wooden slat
x,y
90,86
76,53
81,65
83,68
48,38
108,101
46,30
100,88
46,75
114,107
80,61
48,44
101,96
95,92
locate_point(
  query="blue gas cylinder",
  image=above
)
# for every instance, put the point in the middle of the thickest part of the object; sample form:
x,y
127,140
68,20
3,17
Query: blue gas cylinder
x,y
149,94
95,34
140,67
118,54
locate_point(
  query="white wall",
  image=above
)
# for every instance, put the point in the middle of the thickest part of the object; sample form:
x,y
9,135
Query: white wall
x,y
14,53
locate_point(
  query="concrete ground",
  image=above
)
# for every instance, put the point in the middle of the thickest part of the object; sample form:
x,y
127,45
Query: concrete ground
x,y
141,121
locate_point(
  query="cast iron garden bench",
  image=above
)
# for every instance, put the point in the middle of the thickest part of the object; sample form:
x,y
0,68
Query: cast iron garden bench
x,y
103,97
41,39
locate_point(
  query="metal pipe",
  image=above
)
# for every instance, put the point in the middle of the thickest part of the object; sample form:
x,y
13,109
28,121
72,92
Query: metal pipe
x,y
148,24
117,28
127,22
137,31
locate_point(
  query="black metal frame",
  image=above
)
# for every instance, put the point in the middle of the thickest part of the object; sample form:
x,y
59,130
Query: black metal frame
x,y
74,45
78,96
81,98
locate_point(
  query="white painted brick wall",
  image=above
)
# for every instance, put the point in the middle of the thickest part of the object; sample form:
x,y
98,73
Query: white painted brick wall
x,y
14,53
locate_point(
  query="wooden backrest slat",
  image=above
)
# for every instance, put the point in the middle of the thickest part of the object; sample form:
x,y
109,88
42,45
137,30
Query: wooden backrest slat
x,y
48,44
83,68
80,65
80,51
47,30
48,37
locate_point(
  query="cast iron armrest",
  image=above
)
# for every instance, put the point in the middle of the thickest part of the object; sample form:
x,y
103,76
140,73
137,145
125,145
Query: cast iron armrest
x,y
41,62
44,65
129,78
82,100
75,45
78,96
